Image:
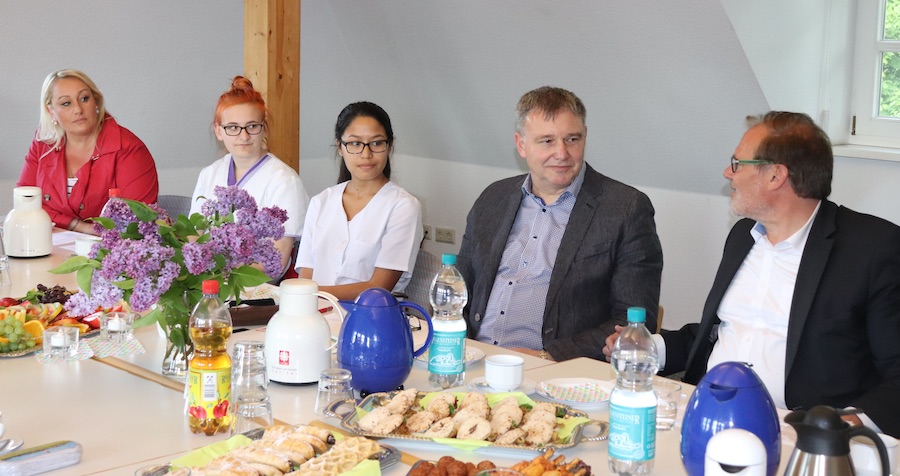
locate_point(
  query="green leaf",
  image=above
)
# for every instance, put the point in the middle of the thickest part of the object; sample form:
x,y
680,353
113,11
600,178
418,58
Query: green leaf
x,y
83,278
151,318
125,285
247,276
72,264
106,222
141,210
131,232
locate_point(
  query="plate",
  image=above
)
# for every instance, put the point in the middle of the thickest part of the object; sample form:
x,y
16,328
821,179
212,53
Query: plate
x,y
480,384
19,353
350,422
473,355
582,393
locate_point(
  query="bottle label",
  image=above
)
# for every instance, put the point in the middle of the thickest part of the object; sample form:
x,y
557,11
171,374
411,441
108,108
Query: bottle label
x,y
445,355
632,432
209,393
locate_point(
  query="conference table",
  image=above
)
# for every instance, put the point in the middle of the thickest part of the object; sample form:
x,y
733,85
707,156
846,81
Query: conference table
x,y
126,415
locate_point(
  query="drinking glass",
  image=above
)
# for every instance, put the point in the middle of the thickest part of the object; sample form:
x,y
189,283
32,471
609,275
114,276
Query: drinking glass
x,y
334,384
668,394
249,380
4,263
250,415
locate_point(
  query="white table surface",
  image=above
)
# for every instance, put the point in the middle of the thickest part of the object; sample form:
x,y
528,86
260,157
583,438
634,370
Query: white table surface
x,y
125,422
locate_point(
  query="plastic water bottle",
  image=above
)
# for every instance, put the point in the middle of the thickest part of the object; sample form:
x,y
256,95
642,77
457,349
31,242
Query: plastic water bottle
x,y
209,378
632,404
446,356
115,195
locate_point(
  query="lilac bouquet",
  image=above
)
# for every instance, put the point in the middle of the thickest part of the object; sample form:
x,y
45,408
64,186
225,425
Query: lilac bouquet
x,y
147,259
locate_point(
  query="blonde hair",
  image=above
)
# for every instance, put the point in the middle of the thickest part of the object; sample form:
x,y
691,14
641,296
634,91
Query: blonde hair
x,y
48,131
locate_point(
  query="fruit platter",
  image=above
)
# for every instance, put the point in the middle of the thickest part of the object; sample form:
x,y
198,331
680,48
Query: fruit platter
x,y
23,320
507,420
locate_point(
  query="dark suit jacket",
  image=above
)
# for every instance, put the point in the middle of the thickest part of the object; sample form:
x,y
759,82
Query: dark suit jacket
x,y
843,341
608,260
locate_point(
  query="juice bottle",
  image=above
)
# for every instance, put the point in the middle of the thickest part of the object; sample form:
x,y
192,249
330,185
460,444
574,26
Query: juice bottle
x,y
209,378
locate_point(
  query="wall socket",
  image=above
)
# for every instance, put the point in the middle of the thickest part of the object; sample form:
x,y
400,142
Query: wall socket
x,y
444,235
426,231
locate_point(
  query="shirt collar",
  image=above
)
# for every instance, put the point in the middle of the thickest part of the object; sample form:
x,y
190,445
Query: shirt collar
x,y
798,239
571,190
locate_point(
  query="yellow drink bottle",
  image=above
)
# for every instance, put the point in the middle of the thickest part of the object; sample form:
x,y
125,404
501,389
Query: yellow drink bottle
x,y
209,378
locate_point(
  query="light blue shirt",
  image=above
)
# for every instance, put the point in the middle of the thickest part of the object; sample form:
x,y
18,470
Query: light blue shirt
x,y
515,311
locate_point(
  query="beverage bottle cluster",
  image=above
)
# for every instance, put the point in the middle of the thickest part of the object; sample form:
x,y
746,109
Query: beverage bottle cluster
x,y
209,371
446,356
632,404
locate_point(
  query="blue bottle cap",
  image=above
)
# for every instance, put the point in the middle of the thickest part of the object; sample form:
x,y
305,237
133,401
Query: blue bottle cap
x,y
448,259
637,314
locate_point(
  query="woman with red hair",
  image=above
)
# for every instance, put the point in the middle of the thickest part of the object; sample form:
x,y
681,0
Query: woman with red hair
x,y
240,122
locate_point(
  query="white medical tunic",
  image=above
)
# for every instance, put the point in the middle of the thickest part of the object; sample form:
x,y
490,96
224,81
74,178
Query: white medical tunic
x,y
272,183
385,234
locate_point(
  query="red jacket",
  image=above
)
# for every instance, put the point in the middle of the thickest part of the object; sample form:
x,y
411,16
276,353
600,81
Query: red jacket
x,y
123,162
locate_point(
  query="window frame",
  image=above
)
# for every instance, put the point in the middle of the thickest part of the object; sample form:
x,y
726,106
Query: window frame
x,y
866,127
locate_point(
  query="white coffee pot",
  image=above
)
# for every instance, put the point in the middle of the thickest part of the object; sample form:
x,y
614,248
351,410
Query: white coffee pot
x,y
27,230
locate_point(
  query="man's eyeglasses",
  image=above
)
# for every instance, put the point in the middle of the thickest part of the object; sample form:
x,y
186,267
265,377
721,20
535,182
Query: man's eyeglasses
x,y
735,162
235,130
356,147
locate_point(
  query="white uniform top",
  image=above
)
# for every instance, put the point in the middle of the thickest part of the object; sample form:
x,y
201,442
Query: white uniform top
x,y
273,183
385,234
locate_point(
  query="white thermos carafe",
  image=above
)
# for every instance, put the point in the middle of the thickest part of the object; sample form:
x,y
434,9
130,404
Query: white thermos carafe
x,y
27,230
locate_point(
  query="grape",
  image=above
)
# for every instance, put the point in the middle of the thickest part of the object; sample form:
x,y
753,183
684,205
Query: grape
x,y
8,329
13,338
55,294
4,347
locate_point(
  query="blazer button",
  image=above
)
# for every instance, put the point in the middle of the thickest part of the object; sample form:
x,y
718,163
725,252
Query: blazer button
x,y
477,317
548,331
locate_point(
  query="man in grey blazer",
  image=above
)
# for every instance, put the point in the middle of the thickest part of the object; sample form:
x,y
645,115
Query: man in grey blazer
x,y
554,258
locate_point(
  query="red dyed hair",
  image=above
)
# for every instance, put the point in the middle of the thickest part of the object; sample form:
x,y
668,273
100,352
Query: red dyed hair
x,y
241,92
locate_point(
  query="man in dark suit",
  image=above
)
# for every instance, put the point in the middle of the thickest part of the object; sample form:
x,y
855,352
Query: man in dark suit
x,y
808,292
554,258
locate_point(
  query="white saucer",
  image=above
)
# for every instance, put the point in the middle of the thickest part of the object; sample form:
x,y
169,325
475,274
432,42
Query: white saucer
x,y
473,355
479,384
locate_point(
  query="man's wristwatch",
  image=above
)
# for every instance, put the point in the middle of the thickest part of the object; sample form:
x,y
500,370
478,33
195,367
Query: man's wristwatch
x,y
544,355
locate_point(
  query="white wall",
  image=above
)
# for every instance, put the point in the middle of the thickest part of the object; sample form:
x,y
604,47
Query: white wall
x,y
161,66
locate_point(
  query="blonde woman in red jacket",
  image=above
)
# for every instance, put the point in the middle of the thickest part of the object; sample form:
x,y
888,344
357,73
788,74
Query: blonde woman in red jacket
x,y
80,152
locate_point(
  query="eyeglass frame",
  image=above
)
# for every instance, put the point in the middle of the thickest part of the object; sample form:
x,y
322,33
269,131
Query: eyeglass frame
x,y
241,129
735,162
364,145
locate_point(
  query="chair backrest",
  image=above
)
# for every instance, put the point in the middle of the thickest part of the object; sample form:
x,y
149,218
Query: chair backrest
x,y
175,205
427,265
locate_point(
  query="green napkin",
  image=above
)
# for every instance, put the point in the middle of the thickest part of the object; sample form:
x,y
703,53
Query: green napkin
x,y
369,467
202,456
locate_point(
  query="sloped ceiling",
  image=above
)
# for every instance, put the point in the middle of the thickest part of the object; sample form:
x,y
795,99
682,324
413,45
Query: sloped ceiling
x,y
666,83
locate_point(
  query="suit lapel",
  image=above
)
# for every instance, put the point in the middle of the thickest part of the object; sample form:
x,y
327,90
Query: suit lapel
x,y
812,265
583,213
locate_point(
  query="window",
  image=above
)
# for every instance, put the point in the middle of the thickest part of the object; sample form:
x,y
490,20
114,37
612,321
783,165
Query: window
x,y
876,76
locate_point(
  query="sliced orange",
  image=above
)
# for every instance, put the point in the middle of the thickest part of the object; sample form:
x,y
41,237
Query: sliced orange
x,y
36,329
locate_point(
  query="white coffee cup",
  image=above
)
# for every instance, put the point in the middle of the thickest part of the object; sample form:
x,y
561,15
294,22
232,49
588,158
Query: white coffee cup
x,y
864,454
503,372
84,243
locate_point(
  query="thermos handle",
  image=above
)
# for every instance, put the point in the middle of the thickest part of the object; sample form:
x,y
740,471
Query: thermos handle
x,y
420,350
337,307
882,451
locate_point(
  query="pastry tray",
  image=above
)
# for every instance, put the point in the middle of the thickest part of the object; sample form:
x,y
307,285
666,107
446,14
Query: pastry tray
x,y
387,457
350,422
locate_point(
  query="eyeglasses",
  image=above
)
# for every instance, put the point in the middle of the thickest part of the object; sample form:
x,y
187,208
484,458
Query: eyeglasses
x,y
356,147
235,130
735,162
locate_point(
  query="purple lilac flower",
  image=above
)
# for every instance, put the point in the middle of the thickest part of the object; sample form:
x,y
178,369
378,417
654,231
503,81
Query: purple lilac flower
x,y
227,200
269,257
119,212
265,223
198,257
103,294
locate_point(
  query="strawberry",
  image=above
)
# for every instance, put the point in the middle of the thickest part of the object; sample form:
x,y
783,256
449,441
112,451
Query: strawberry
x,y
8,301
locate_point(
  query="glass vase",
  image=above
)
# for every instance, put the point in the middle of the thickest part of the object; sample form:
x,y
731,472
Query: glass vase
x,y
177,357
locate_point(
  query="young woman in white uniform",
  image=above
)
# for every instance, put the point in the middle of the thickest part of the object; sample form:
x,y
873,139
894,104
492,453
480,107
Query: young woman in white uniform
x,y
240,123
365,231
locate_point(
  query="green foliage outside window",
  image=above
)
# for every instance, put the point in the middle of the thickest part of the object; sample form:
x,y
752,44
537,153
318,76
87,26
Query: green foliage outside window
x,y
889,103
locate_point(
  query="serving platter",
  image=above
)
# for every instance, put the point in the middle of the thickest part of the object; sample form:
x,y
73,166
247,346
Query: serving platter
x,y
19,353
350,422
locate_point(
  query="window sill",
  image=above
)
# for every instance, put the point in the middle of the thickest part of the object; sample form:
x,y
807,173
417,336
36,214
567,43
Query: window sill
x,y
867,152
